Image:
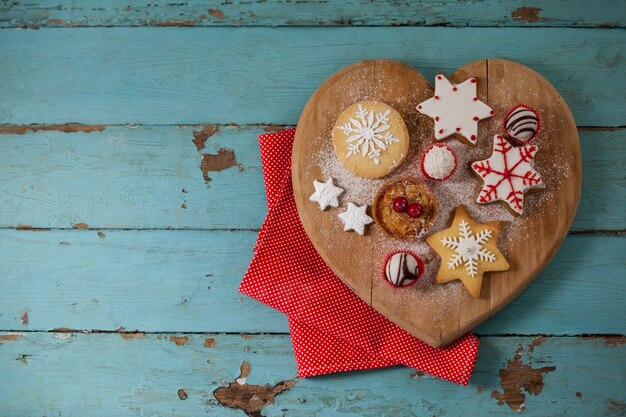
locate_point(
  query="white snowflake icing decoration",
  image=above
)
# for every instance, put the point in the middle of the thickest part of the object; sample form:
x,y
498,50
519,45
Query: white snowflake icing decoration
x,y
368,134
469,248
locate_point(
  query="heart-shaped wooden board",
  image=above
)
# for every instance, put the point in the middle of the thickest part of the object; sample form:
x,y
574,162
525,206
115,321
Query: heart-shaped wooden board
x,y
438,314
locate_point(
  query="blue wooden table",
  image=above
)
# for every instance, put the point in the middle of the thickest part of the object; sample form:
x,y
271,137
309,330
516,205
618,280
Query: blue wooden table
x,y
131,195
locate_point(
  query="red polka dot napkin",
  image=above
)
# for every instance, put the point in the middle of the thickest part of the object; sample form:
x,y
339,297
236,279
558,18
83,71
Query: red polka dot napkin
x,y
332,329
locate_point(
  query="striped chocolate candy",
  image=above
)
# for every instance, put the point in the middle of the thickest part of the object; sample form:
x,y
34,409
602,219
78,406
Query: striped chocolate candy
x,y
522,123
403,269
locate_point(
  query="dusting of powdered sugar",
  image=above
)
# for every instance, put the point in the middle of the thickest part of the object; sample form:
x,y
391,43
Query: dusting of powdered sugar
x,y
461,188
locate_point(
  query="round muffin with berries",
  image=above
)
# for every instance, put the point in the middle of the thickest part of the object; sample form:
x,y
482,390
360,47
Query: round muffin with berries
x,y
405,207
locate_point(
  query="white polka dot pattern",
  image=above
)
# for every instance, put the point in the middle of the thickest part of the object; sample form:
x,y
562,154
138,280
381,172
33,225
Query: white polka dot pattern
x,y
332,329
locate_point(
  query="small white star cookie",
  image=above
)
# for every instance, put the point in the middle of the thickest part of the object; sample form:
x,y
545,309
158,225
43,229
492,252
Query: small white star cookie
x,y
326,194
355,218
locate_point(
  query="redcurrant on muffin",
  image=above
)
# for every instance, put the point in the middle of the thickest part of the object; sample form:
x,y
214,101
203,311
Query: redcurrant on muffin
x,y
405,207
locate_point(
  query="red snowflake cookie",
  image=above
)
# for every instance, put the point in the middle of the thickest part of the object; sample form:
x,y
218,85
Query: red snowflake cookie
x,y
508,173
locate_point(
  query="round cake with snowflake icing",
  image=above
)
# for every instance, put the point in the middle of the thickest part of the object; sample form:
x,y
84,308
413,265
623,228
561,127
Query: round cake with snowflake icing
x,y
370,139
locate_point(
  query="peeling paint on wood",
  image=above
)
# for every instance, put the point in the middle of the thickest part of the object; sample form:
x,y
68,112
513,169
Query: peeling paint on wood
x,y
179,340
609,340
250,398
182,394
24,317
275,128
216,13
527,14
80,226
417,374
200,136
518,376
174,23
209,342
67,330
10,337
31,228
66,128
101,235
133,335
223,159
536,342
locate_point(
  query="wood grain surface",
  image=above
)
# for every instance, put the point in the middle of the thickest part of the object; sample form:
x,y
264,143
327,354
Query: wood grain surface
x,y
143,374
238,75
358,260
117,139
57,13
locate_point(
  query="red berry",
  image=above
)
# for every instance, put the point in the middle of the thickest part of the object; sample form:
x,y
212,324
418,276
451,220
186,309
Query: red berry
x,y
400,204
415,210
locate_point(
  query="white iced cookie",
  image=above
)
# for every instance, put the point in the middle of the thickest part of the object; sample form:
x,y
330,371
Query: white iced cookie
x,y
355,218
326,194
456,109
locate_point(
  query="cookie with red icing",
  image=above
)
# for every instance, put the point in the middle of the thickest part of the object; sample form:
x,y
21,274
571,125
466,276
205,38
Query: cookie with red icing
x,y
508,173
455,109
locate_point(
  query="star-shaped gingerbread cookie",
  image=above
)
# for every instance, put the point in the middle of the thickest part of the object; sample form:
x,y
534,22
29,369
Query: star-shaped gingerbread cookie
x,y
468,250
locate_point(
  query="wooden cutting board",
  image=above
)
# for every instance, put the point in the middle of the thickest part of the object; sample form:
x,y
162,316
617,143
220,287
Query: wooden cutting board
x,y
438,314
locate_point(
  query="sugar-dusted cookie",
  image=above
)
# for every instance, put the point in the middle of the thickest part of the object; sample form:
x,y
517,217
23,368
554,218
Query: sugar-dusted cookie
x,y
508,173
468,250
455,109
370,139
326,194
355,218
405,207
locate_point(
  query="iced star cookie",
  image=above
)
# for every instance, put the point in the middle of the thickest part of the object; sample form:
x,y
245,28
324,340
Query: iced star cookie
x,y
370,139
468,250
405,207
455,109
508,173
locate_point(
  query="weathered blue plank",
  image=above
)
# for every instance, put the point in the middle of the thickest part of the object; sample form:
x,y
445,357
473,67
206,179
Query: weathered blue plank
x,y
159,281
265,75
55,13
151,177
105,374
